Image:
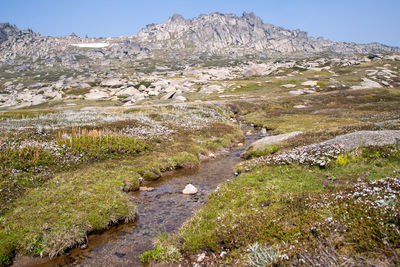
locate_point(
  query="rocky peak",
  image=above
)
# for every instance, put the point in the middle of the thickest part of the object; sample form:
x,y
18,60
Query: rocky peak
x,y
12,33
176,18
227,33
6,29
252,18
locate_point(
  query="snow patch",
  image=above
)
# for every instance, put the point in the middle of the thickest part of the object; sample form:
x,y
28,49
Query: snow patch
x,y
92,45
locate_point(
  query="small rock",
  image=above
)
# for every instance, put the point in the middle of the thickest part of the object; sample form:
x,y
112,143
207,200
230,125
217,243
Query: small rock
x,y
240,144
84,246
288,85
190,190
296,92
153,93
201,257
223,254
146,189
263,132
212,155
310,83
299,106
180,99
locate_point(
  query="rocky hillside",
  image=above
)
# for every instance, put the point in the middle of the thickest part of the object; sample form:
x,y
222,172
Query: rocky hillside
x,y
216,33
229,33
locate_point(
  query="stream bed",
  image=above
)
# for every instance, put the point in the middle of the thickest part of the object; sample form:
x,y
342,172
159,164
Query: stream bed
x,y
164,209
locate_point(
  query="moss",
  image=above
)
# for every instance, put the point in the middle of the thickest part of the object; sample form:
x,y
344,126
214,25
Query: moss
x,y
149,175
259,152
165,250
166,254
59,214
7,247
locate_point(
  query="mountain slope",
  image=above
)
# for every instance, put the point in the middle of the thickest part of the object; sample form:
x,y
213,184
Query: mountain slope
x,y
216,32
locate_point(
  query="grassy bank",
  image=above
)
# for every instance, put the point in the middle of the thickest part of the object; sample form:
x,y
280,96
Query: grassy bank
x,y
299,215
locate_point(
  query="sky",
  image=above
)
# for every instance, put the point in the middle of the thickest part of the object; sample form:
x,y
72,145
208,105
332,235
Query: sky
x,y
361,21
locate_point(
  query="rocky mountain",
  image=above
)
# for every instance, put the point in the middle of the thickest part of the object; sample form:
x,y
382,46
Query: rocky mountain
x,y
218,33
213,34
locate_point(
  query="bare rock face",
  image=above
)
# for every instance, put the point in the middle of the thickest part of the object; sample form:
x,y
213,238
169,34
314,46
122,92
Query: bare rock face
x,y
268,141
216,33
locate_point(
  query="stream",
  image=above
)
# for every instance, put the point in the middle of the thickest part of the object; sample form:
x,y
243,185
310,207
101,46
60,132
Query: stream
x,y
164,209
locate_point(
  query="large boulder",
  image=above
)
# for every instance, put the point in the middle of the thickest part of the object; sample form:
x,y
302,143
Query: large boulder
x,y
179,99
212,89
112,83
256,70
96,95
269,141
365,138
168,95
366,84
322,153
38,99
309,83
128,92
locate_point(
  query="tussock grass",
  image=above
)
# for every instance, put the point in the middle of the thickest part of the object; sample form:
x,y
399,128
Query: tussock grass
x,y
100,144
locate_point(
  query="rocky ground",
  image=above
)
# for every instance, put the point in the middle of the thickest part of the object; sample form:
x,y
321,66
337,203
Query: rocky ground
x,y
85,121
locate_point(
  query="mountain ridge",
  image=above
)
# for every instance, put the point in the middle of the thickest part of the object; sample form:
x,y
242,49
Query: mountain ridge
x,y
212,34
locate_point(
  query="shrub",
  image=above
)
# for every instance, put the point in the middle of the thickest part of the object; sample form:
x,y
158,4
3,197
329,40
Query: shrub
x,y
344,160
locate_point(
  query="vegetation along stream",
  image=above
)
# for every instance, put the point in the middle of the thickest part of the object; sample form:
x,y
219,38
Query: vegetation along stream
x,y
163,209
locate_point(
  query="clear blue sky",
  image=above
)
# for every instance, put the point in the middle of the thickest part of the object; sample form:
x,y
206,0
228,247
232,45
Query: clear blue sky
x,y
360,21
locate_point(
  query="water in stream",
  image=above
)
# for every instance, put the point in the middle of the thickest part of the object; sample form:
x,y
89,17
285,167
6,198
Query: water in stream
x,y
162,210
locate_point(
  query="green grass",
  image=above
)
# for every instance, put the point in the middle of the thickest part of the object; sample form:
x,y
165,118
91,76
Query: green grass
x,y
29,166
297,122
20,114
102,147
59,213
272,206
164,250
144,83
259,152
